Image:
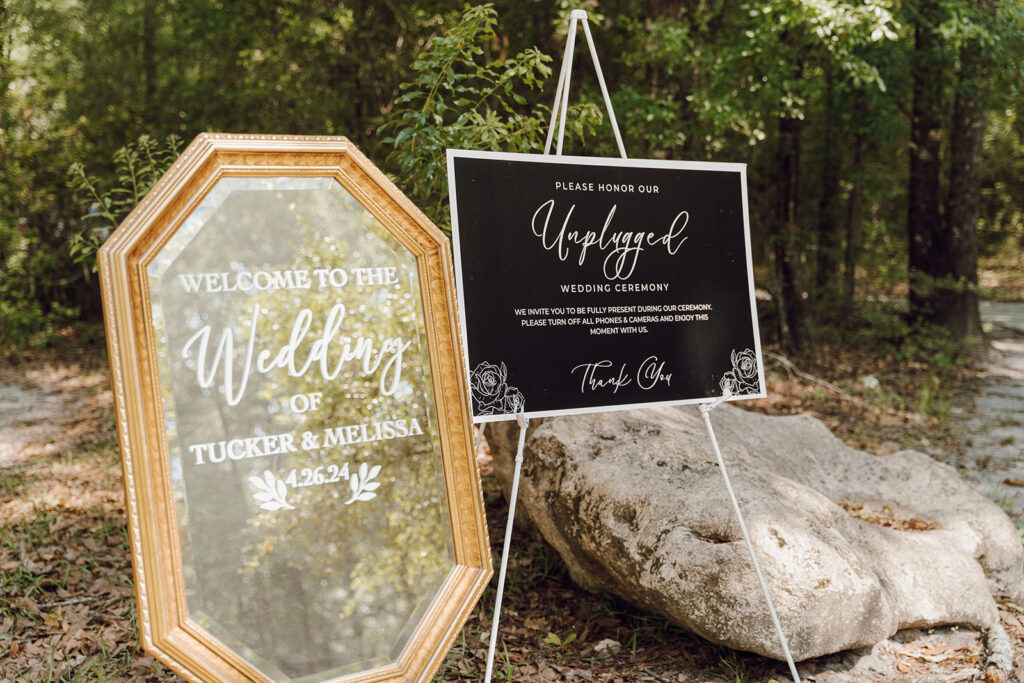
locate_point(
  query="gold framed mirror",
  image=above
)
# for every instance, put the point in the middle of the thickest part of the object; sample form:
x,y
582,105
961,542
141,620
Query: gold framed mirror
x,y
302,493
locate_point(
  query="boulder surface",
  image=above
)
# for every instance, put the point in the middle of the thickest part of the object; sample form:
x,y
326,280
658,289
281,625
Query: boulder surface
x,y
635,504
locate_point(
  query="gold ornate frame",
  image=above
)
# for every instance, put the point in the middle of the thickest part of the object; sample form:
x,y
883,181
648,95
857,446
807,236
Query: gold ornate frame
x,y
164,626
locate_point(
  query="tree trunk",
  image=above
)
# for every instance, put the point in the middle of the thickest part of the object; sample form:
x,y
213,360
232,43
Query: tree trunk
x,y
926,248
854,212
791,302
664,9
958,309
5,76
149,63
825,290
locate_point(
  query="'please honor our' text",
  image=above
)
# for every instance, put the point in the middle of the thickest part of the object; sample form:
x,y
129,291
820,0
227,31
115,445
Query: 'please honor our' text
x,y
621,247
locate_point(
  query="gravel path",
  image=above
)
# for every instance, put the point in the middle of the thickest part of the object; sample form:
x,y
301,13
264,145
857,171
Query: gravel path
x,y
50,408
995,430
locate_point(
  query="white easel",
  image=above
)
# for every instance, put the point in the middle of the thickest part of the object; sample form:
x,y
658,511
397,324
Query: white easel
x,y
559,109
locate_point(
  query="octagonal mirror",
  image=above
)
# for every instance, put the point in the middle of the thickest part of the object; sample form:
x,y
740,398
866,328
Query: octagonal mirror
x,y
302,495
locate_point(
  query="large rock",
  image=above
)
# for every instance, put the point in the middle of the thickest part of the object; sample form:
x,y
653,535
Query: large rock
x,y
635,504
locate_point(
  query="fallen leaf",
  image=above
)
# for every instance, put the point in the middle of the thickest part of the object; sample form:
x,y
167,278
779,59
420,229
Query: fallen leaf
x,y
941,654
27,604
994,675
52,621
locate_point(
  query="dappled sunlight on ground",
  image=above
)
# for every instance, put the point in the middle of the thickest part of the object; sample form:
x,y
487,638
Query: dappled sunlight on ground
x,y
67,609
51,407
64,486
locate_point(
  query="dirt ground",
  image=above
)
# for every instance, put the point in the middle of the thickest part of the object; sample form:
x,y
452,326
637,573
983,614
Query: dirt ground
x,y
67,608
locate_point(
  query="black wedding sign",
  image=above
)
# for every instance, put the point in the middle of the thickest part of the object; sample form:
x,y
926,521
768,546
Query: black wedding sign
x,y
591,284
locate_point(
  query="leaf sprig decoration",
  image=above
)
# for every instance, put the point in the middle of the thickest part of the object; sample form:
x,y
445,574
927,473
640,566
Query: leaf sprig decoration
x,y
362,484
271,492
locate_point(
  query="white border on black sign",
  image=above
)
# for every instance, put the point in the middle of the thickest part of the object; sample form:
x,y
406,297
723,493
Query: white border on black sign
x,y
741,169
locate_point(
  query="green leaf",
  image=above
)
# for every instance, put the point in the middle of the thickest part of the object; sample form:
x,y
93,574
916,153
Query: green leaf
x,y
402,136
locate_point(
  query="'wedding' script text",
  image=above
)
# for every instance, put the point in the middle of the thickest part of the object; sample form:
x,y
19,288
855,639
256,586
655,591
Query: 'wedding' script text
x,y
329,353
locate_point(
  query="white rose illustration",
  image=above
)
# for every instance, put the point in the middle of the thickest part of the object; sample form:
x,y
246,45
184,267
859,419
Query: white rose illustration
x,y
744,365
728,382
743,378
491,393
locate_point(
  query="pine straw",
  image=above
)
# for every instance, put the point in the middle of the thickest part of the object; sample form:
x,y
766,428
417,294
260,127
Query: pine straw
x,y
67,611
67,608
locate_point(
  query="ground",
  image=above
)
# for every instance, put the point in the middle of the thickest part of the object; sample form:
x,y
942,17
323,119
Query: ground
x,y
66,601
993,447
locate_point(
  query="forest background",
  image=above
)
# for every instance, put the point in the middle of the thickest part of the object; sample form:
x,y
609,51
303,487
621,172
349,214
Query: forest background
x,y
884,140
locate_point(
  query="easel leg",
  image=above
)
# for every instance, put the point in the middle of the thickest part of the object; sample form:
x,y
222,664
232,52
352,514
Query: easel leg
x,y
504,552
561,105
705,410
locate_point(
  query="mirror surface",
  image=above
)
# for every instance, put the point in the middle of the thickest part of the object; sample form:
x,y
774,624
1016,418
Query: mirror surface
x,y
306,466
